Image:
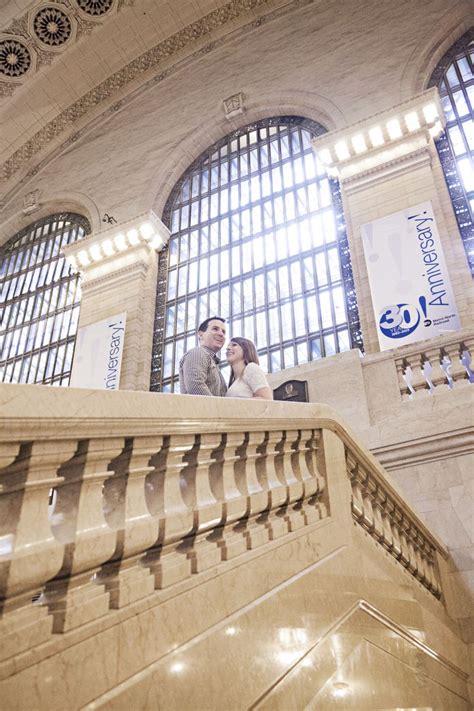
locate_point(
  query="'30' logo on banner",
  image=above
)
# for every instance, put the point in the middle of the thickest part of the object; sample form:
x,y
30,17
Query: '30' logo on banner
x,y
399,320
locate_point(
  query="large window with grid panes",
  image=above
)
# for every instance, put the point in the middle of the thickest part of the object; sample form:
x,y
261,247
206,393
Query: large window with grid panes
x,y
258,237
40,302
454,77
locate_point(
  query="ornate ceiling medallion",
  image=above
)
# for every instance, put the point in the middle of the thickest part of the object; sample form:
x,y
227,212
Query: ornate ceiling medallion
x,y
52,26
95,7
15,59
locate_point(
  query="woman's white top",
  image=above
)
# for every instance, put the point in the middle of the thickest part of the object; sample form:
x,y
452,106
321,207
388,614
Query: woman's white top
x,y
252,379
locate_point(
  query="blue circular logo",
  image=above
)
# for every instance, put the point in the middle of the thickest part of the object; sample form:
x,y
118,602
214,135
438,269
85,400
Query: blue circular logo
x,y
399,320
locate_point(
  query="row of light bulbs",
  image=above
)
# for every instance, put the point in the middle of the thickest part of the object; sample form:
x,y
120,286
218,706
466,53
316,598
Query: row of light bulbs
x,y
120,242
376,136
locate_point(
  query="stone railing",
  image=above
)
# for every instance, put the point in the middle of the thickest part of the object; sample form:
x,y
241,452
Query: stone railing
x,y
106,496
436,365
390,522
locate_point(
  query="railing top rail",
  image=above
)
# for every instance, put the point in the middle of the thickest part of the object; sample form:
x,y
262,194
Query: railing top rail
x,y
437,342
32,412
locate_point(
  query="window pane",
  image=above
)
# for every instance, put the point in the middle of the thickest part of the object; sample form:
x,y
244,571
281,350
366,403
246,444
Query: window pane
x,y
32,314
268,259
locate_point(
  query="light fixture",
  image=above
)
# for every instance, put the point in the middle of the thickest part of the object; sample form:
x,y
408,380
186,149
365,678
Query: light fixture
x,y
342,150
83,258
95,253
430,112
358,143
146,231
393,128
376,136
230,631
436,129
412,121
133,237
73,262
325,156
120,242
108,247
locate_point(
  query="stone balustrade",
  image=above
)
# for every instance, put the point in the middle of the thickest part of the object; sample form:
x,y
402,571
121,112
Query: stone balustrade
x,y
436,365
388,520
107,496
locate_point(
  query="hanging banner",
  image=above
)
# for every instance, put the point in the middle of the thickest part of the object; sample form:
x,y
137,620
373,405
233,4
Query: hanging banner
x,y
409,283
98,354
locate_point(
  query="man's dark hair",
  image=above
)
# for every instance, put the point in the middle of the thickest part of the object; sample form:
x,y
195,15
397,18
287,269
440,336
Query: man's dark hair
x,y
203,326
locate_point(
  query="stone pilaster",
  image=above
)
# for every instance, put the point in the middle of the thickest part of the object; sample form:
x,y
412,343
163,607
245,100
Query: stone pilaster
x,y
119,271
386,163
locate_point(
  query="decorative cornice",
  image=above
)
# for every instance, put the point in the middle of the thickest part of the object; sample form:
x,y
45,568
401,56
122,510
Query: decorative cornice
x,y
158,56
390,169
425,449
383,144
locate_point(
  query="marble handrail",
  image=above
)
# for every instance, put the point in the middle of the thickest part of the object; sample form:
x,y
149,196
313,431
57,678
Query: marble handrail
x,y
105,496
428,367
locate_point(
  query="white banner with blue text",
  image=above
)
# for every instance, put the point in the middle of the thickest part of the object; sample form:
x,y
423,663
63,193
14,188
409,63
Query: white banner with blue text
x,y
409,283
98,354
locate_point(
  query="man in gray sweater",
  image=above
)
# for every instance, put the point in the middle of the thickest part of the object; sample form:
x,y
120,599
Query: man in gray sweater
x,y
199,372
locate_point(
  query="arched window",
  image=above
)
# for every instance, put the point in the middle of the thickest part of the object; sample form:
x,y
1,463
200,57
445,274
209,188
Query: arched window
x,y
257,236
40,302
454,77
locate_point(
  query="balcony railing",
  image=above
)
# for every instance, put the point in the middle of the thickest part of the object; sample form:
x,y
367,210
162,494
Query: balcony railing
x,y
105,497
436,365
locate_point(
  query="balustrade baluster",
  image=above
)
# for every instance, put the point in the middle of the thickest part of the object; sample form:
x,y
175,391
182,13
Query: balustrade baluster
x,y
273,517
418,380
30,553
437,376
197,493
402,532
231,540
357,502
127,512
79,522
395,520
176,517
381,502
304,464
404,374
249,484
456,369
377,498
410,534
284,464
367,520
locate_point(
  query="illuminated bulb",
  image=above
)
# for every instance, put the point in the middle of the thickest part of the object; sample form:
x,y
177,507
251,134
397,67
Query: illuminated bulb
x,y
376,136
393,128
358,143
147,231
95,253
430,112
412,121
342,151
120,242
83,258
133,237
325,156
157,242
231,631
436,129
107,247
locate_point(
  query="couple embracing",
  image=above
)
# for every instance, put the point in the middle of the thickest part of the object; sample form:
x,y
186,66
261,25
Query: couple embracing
x,y
199,372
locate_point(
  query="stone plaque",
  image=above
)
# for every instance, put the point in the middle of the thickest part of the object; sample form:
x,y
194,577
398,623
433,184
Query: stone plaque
x,y
292,390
